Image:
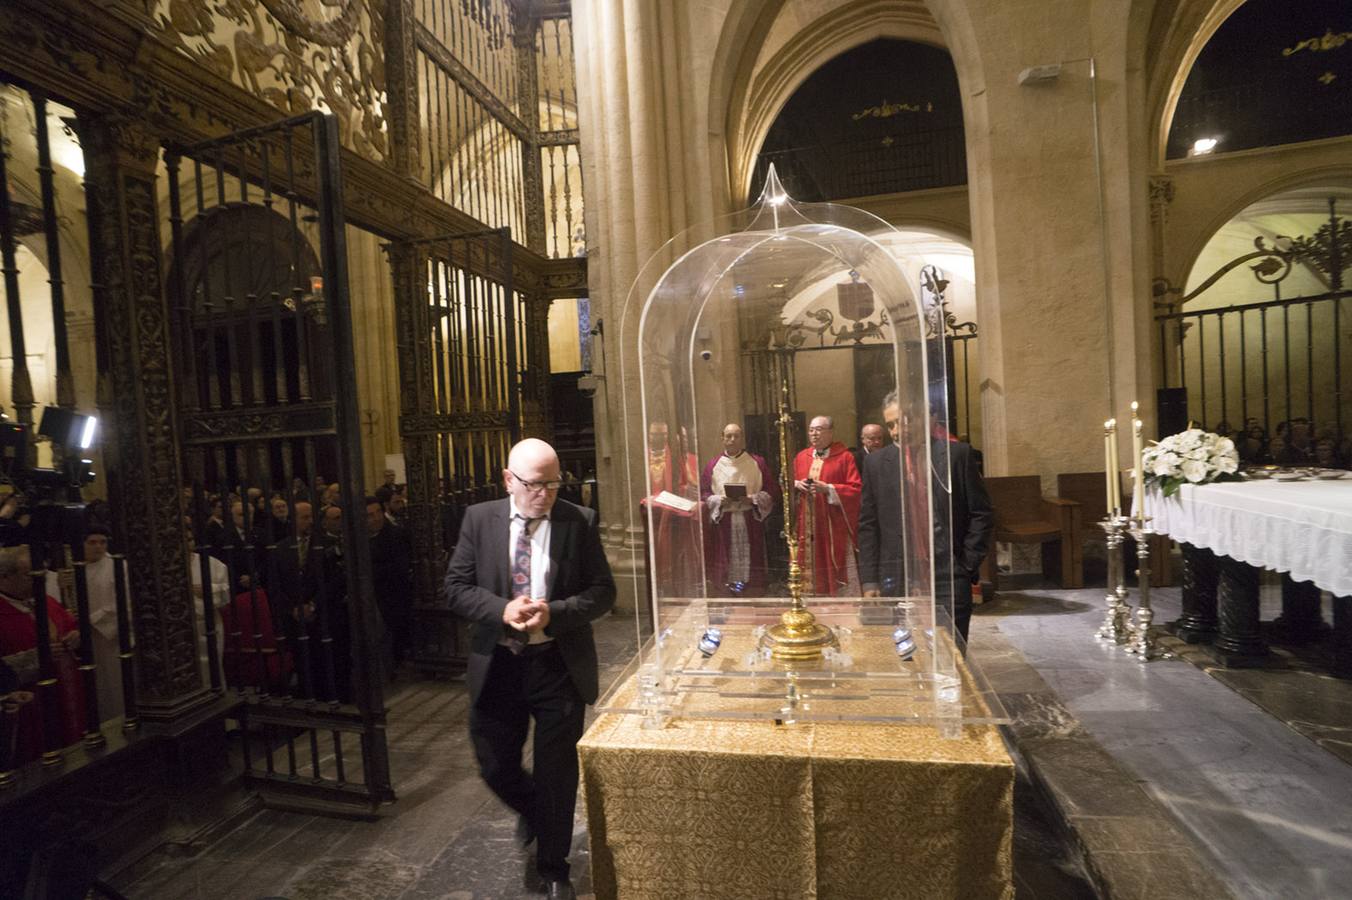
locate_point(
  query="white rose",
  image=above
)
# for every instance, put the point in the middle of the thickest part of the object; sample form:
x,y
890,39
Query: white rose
x,y
1225,464
1194,470
1165,466
1226,446
1197,453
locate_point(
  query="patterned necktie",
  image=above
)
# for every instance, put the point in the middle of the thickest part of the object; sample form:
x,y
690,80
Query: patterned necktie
x,y
516,640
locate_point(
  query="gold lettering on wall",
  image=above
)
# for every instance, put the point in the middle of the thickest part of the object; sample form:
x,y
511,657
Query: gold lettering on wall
x,y
887,110
1330,41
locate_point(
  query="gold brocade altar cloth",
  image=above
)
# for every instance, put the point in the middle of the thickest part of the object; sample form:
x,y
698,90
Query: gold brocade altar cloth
x,y
751,809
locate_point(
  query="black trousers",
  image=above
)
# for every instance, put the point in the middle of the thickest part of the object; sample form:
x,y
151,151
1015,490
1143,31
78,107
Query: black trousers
x,y
954,590
534,685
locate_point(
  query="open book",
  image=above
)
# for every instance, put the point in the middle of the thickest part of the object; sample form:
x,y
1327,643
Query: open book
x,y
673,501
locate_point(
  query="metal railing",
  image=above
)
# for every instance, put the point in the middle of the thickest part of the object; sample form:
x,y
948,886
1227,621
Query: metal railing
x,y
1271,362
906,161
1257,115
1254,369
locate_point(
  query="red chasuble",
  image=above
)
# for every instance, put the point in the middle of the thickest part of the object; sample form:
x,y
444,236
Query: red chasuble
x,y
19,632
675,533
835,529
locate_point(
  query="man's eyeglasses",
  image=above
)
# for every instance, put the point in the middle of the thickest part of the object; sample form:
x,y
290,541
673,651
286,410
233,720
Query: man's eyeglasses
x,y
536,487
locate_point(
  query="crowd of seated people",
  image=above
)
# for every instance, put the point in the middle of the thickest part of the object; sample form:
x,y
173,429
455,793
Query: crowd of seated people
x,y
1297,442
286,627
275,598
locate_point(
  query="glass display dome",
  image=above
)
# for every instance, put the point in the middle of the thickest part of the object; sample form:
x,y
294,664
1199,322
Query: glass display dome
x,y
789,573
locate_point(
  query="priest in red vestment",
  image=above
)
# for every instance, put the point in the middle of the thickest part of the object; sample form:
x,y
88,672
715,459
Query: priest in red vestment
x,y
829,485
738,492
18,645
673,500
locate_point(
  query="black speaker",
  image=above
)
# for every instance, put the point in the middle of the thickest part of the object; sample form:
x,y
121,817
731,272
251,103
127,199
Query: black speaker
x,y
1172,407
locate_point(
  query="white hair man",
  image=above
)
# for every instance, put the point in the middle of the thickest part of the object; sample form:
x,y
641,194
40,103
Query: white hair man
x,y
827,479
529,573
739,492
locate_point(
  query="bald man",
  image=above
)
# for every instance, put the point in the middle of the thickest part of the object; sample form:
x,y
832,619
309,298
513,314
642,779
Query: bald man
x,y
739,493
529,573
871,439
828,484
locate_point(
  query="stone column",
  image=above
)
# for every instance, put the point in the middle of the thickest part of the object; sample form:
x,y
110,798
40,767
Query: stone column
x,y
1198,622
1240,643
653,167
137,400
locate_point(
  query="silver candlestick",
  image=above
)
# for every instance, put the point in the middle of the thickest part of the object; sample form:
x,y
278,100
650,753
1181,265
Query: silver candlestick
x,y
1142,641
1116,624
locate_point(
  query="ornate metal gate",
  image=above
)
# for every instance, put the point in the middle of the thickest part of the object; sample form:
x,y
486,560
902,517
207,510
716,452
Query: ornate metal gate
x,y
463,334
268,414
1260,369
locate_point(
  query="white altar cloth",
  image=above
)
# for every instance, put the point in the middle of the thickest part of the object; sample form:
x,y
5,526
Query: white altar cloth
x,y
1301,527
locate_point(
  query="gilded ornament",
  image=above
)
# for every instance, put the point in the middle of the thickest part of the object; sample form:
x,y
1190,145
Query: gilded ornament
x,y
1331,40
298,55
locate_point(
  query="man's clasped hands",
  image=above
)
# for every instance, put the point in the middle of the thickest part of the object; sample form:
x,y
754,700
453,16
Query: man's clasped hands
x,y
528,614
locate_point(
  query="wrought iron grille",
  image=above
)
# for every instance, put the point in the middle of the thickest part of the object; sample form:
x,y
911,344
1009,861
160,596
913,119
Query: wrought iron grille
x,y
82,690
1257,369
961,404
463,333
267,398
30,223
559,143
907,161
498,106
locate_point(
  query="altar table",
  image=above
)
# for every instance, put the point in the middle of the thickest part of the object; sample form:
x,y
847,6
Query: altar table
x,y
751,809
1302,529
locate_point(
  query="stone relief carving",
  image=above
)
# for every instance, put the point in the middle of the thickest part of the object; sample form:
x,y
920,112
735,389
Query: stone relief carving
x,y
1161,195
296,54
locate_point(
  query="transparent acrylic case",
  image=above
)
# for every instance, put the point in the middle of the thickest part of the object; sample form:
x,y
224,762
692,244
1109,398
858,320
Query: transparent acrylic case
x,y
768,319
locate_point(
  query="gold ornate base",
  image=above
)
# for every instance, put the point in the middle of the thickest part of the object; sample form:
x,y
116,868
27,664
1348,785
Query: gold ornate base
x,y
798,637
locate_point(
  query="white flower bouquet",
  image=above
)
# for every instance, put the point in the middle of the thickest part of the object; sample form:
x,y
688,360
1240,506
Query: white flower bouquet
x,y
1190,457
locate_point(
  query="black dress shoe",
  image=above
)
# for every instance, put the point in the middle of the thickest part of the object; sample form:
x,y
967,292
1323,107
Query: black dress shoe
x,y
525,834
560,890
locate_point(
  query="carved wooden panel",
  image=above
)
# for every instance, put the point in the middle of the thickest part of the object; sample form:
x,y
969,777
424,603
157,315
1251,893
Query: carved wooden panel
x,y
298,55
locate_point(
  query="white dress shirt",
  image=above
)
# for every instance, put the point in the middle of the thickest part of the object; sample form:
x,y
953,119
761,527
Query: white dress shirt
x,y
540,568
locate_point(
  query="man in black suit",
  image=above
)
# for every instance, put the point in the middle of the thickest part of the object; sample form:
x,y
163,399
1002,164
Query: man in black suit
x,y
307,590
530,574
391,578
871,440
960,542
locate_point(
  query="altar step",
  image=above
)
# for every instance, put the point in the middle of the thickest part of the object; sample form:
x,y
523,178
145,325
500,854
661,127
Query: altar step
x,y
1169,782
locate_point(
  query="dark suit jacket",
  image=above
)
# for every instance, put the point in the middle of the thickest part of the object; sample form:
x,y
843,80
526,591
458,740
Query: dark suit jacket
x,y
392,567
293,584
881,563
478,587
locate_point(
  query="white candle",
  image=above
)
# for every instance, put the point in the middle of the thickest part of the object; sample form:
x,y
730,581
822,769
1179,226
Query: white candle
x,y
1108,462
1114,482
1137,462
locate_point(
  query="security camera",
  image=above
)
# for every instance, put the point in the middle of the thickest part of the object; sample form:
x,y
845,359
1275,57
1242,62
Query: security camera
x,y
706,355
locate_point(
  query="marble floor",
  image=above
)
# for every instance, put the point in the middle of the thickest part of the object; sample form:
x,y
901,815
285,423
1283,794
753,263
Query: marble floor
x,y
448,838
1258,788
